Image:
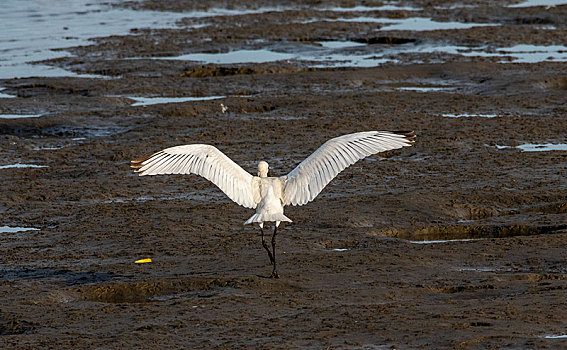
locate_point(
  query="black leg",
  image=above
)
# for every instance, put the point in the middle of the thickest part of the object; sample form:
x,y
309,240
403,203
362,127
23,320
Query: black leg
x,y
274,271
272,261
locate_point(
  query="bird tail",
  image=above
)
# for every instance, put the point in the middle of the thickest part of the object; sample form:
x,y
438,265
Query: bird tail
x,y
267,217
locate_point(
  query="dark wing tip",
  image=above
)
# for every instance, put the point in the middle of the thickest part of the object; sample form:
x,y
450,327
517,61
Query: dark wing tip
x,y
407,133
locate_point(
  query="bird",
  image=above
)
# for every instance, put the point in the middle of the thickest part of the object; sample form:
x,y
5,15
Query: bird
x,y
267,194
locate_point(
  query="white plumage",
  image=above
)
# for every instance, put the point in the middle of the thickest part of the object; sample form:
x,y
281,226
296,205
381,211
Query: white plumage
x,y
207,161
268,195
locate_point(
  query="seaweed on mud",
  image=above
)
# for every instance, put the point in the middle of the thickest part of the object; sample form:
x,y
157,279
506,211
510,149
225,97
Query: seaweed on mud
x,y
150,290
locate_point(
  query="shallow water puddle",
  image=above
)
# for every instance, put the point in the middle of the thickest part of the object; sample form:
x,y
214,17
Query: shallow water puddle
x,y
31,29
555,336
514,54
535,53
351,54
477,269
370,8
8,229
5,95
47,148
126,200
533,147
339,44
340,249
19,165
445,241
501,147
147,101
34,28
533,3
238,56
465,115
17,116
265,56
417,24
426,89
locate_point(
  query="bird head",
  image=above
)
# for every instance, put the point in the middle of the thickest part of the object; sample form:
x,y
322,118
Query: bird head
x,y
263,169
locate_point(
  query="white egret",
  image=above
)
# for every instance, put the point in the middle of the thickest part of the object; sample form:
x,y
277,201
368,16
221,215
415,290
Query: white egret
x,y
269,195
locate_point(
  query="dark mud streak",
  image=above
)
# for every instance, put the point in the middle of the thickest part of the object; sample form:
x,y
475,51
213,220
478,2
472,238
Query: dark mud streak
x,y
70,278
475,232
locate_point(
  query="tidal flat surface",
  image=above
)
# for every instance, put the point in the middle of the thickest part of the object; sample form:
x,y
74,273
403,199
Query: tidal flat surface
x,y
456,242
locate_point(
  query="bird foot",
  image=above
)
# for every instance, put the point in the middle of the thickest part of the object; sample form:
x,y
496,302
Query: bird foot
x,y
274,275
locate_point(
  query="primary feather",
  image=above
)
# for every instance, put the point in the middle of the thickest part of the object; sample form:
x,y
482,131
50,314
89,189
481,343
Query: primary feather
x,y
267,194
309,178
204,160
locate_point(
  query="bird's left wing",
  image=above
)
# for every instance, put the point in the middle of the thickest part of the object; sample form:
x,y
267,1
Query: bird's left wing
x,y
309,178
206,161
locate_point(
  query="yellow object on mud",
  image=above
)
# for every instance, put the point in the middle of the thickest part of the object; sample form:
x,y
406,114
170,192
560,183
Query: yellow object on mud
x,y
143,261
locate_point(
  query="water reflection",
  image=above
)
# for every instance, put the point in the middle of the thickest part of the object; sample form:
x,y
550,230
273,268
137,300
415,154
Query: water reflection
x,y
2,95
533,147
8,229
546,3
417,24
347,54
444,241
465,115
537,147
147,101
18,116
19,165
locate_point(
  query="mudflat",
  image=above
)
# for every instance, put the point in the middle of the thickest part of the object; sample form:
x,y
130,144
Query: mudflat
x,y
456,242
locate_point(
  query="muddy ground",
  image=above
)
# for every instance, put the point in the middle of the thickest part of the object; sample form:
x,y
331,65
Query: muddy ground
x,y
351,278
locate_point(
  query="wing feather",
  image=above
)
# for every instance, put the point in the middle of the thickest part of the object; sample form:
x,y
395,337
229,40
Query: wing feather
x,y
158,157
161,159
206,161
174,164
309,178
187,166
179,168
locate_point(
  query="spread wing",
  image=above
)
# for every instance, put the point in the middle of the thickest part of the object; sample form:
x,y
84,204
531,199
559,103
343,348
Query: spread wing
x,y
204,160
309,178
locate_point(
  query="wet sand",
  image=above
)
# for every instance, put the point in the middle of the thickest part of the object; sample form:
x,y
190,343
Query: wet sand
x,y
355,270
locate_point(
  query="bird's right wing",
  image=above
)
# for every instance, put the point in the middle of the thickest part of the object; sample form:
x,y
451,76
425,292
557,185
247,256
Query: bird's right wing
x,y
309,178
207,161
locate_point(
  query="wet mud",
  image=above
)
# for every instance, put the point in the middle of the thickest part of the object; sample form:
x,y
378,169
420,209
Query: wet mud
x,y
456,242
